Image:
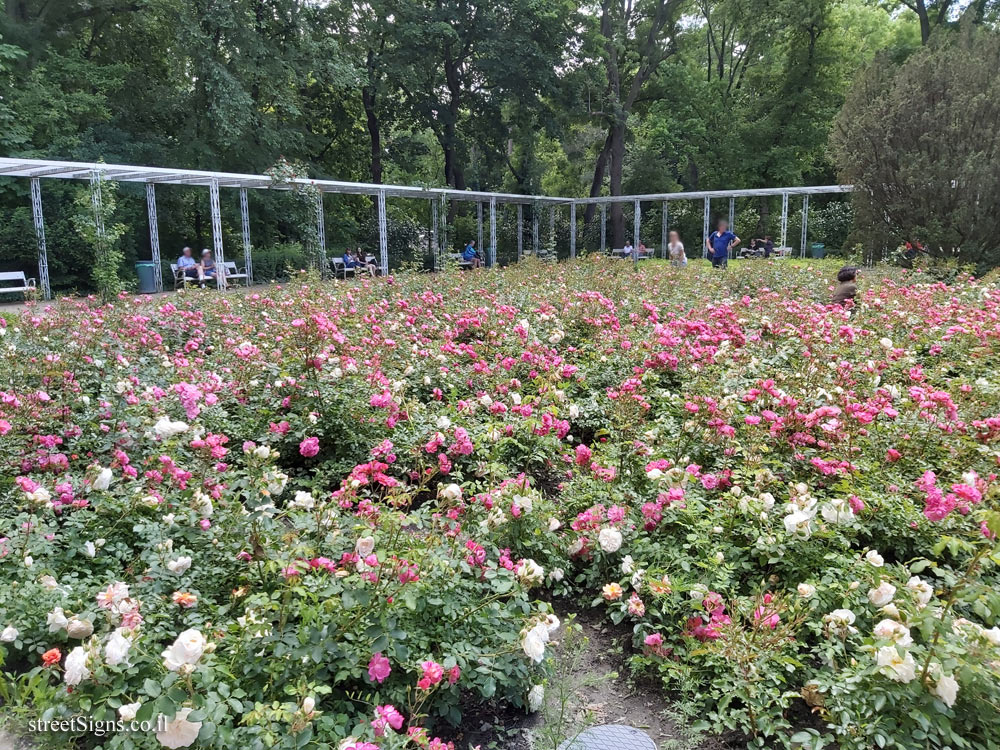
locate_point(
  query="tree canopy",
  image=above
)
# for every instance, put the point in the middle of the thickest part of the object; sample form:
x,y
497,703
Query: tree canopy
x,y
578,98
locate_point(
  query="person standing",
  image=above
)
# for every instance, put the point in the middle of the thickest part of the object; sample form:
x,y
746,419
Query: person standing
x,y
675,251
719,243
768,246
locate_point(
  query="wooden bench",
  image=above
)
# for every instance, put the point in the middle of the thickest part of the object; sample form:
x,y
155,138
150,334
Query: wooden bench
x,y
15,282
460,260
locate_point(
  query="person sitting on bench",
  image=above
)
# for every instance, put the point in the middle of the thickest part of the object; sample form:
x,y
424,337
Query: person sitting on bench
x,y
188,266
209,270
471,255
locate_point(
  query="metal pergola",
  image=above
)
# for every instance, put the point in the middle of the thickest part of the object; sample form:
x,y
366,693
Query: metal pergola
x,y
96,173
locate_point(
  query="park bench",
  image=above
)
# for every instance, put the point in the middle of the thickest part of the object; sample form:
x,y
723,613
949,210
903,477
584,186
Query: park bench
x,y
340,269
15,282
232,271
229,271
460,261
619,252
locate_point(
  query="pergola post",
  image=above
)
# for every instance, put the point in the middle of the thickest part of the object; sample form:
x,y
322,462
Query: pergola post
x,y
636,224
97,204
245,221
493,232
552,226
154,236
435,250
383,235
321,233
805,224
664,227
534,229
707,218
784,218
444,226
43,255
479,226
732,214
604,228
520,231
213,200
572,230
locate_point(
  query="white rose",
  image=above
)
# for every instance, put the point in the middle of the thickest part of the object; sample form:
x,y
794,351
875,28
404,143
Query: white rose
x,y
890,630
610,539
885,343
946,688
77,628
180,565
303,500
49,583
166,429
628,565
308,705
179,732
529,573
799,523
574,411
365,546
76,666
536,698
443,423
992,635
262,451
556,574
128,711
187,649
450,492
56,620
874,559
882,595
117,648
922,589
103,479
805,590
89,549
554,524
9,634
896,667
534,642
837,511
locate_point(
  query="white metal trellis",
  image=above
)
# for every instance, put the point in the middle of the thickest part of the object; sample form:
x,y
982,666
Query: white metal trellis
x,y
805,225
784,219
705,229
383,235
245,222
493,232
321,233
664,227
220,258
520,230
43,255
154,236
36,169
572,230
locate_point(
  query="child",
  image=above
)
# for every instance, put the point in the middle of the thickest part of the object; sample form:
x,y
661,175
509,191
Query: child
x,y
847,286
675,248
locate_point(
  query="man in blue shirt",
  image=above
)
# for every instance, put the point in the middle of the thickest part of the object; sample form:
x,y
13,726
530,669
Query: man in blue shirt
x,y
719,243
188,267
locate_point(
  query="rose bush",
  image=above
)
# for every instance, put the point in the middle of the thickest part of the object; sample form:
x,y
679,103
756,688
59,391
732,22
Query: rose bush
x,y
322,515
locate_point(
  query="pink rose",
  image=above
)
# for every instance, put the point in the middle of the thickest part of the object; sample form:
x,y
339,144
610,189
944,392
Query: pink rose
x,y
309,447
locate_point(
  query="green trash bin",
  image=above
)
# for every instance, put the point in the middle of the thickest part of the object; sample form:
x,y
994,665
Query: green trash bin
x,y
818,250
146,271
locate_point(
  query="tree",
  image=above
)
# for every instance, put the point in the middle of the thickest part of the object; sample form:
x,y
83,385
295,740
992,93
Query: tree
x,y
635,37
916,143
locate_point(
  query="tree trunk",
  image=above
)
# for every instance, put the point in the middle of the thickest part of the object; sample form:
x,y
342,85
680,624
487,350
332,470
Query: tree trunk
x,y
616,138
598,181
374,132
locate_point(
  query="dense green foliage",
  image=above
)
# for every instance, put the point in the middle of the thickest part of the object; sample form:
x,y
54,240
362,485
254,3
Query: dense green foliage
x,y
554,96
